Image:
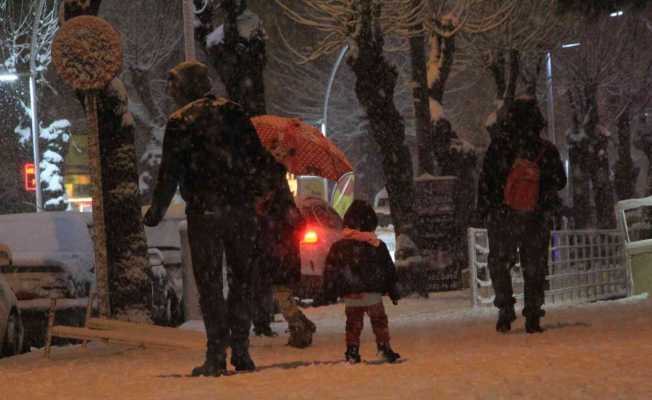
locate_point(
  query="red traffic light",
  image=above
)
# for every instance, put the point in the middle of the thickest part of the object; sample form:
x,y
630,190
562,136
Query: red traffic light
x,y
29,175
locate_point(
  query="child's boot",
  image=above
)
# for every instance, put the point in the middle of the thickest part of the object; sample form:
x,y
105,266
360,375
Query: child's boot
x,y
385,350
352,354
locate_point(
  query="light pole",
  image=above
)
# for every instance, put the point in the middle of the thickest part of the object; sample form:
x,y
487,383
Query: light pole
x,y
36,131
329,88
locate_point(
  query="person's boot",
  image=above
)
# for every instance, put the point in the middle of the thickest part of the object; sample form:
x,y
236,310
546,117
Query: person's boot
x,y
214,365
533,324
241,360
389,355
301,331
533,319
506,316
352,354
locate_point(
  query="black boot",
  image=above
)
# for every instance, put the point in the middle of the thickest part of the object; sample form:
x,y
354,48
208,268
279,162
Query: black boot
x,y
385,350
241,360
352,354
506,316
213,366
533,320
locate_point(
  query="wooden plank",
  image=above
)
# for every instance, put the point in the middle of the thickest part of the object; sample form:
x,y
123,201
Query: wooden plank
x,y
131,336
104,324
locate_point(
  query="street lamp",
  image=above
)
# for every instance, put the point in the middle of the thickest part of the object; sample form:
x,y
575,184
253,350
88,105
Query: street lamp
x,y
8,77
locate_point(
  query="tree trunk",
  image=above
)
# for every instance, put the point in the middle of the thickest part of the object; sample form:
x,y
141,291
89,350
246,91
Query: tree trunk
x,y
239,61
442,52
597,162
425,162
129,269
505,86
581,189
374,87
625,173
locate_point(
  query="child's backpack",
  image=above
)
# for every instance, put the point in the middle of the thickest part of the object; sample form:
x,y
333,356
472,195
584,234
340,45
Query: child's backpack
x,y
522,187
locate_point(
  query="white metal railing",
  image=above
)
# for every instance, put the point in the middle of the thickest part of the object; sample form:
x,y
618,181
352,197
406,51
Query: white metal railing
x,y
583,266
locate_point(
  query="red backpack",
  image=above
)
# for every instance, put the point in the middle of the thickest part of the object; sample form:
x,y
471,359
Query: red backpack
x,y
522,187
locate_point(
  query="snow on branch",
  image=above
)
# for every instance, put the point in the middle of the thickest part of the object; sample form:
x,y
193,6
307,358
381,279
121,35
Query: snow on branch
x,y
16,24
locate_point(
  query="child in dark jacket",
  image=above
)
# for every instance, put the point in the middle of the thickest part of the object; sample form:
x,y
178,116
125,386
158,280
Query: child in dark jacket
x,y
360,270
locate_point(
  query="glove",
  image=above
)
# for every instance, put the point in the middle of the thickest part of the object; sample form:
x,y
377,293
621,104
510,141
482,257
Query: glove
x,y
395,302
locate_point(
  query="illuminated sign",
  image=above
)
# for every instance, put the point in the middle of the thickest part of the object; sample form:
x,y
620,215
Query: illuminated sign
x,y
29,175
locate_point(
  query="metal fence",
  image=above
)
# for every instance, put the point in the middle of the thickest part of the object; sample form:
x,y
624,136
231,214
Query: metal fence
x,y
583,266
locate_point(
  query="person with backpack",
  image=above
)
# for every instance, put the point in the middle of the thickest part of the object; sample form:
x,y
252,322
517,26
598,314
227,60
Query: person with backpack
x,y
517,199
360,270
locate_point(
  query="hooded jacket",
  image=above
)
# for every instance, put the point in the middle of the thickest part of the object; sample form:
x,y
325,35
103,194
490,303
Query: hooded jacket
x,y
520,139
359,262
212,152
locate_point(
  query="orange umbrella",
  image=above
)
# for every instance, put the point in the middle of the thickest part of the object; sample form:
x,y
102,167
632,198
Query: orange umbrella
x,y
301,147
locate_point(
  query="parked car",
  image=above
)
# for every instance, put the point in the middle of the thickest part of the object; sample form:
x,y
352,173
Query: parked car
x,y
322,228
164,246
11,324
52,256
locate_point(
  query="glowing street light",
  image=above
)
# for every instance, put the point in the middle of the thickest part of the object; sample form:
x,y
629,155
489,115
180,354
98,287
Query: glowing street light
x,y
618,13
8,77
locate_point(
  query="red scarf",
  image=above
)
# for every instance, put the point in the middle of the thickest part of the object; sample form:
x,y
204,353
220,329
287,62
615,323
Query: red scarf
x,y
367,237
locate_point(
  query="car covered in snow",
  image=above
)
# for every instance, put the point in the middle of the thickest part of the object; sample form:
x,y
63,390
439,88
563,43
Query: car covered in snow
x,y
52,257
164,246
11,324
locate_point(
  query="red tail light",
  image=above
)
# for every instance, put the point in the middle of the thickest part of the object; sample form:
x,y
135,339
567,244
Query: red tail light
x,y
310,237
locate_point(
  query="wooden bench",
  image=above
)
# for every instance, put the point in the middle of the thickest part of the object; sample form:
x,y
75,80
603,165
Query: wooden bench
x,y
122,332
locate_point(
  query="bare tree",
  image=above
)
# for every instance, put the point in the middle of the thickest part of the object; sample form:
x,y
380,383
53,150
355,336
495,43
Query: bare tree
x,y
628,97
299,90
16,51
586,71
236,49
513,52
445,21
363,25
150,47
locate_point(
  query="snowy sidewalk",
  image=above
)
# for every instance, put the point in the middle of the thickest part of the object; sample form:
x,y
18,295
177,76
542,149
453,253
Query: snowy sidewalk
x,y
596,351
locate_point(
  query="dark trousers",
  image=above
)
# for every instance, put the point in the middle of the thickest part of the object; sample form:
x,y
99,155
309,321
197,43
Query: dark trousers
x,y
227,321
355,323
513,235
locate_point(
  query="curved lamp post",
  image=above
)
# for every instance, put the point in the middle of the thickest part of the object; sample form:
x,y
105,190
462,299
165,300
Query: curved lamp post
x,y
329,88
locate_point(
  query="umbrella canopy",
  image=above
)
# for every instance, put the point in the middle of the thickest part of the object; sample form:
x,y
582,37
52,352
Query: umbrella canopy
x,y
301,147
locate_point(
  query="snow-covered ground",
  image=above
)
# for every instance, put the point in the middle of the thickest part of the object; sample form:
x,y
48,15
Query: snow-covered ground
x,y
596,351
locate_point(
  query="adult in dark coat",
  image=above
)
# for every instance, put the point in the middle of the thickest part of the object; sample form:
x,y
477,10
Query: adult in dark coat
x,y
524,233
360,270
212,152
